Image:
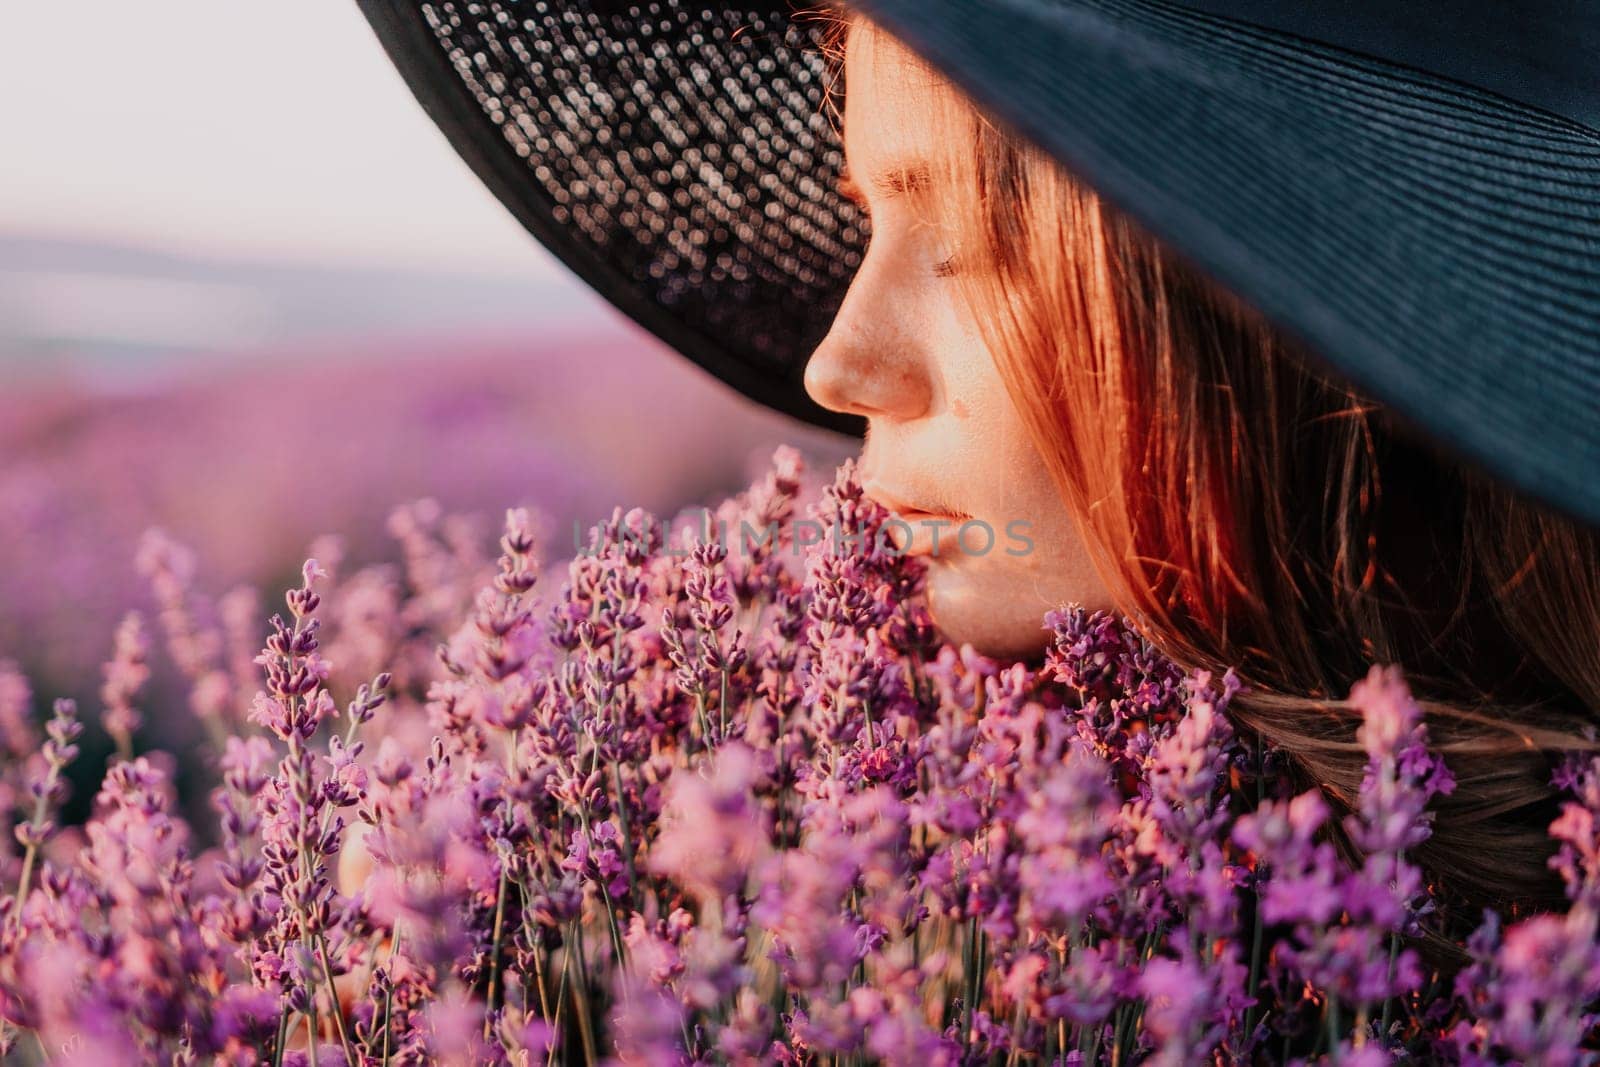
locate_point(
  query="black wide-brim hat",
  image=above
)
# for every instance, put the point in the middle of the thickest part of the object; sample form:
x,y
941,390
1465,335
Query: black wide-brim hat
x,y
1412,189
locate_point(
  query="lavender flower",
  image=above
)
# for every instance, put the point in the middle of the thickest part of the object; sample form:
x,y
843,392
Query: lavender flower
x,y
685,804
125,675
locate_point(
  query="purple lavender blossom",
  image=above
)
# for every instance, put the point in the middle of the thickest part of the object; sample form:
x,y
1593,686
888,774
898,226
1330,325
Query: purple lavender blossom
x,y
681,804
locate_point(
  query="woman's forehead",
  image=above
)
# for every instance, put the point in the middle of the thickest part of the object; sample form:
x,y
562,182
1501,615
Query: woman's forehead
x,y
894,105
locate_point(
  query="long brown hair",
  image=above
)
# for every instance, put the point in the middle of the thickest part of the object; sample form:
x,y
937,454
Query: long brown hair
x,y
1248,508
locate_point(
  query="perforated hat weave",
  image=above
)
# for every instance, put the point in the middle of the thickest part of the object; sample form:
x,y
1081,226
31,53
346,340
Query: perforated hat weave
x,y
1413,190
677,157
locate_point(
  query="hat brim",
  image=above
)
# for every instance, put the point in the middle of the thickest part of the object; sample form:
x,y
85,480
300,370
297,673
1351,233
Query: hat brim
x,y
1436,244
681,164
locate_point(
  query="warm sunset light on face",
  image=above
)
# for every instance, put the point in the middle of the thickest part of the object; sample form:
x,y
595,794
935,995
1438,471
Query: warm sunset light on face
x,y
945,444
862,532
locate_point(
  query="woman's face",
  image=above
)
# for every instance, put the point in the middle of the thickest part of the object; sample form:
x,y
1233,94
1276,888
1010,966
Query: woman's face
x,y
945,447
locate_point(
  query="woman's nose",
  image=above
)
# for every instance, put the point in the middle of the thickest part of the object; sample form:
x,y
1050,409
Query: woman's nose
x,y
872,362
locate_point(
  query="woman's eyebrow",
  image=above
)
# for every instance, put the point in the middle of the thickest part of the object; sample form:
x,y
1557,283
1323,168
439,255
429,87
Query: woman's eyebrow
x,y
912,176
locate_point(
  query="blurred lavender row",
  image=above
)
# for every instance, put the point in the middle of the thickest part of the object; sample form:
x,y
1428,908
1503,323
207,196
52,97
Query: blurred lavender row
x,y
246,408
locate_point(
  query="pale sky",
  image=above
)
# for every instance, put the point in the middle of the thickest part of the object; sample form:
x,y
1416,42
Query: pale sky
x,y
274,130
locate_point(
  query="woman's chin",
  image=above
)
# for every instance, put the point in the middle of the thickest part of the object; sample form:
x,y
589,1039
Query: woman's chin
x,y
972,605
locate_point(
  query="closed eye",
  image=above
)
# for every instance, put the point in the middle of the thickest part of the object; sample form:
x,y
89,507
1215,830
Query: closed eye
x,y
852,192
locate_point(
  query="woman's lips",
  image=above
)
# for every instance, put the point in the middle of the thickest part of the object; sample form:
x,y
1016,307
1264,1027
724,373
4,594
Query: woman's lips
x,y
917,531
925,533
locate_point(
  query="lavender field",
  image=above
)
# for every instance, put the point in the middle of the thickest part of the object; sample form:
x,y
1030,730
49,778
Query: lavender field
x,y
245,455
663,808
366,698
407,661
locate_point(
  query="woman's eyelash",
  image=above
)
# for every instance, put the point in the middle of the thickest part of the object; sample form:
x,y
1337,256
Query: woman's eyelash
x,y
945,267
